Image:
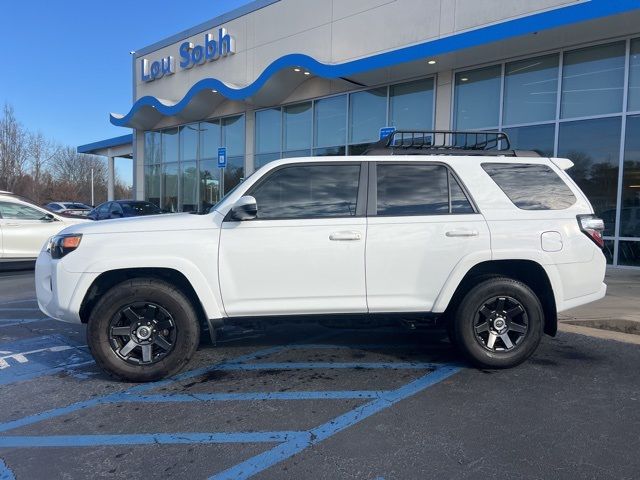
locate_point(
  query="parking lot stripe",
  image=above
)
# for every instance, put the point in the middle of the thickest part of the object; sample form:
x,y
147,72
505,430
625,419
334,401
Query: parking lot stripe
x,y
226,397
5,472
329,365
11,322
148,439
290,448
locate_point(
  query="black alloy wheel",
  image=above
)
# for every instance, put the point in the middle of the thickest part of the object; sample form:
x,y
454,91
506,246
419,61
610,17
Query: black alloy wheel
x,y
142,333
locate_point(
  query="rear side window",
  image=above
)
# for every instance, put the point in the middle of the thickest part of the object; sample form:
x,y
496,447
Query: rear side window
x,y
414,189
531,187
308,191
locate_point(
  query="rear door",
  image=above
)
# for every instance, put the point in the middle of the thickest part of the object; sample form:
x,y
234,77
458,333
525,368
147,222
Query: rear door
x,y
304,253
421,223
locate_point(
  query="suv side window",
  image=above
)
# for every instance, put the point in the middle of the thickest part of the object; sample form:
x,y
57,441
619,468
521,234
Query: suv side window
x,y
308,191
18,211
531,187
418,189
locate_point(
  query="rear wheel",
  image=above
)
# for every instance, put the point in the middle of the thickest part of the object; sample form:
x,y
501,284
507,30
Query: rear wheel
x,y
143,330
499,323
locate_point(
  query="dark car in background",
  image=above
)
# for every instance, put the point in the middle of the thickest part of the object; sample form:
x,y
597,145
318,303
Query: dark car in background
x,y
122,209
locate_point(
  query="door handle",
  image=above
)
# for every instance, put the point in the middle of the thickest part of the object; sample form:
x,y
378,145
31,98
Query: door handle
x,y
345,236
462,233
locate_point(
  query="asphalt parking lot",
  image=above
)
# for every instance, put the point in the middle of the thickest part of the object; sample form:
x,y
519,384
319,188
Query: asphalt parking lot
x,y
311,402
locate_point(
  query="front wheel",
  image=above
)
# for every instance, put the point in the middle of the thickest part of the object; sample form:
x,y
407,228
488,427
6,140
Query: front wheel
x,y
142,330
499,323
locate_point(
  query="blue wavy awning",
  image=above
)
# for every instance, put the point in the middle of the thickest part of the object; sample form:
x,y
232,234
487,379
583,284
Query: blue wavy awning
x,y
154,108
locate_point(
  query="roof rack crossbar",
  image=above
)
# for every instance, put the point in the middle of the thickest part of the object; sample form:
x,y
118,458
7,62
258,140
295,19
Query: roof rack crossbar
x,y
443,140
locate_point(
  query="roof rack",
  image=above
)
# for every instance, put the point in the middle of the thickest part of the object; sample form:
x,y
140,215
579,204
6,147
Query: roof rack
x,y
447,142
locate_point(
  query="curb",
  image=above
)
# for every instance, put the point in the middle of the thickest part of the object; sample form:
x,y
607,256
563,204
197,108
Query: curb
x,y
598,333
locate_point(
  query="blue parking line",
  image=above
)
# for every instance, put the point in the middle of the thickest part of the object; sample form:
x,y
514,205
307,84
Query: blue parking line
x,y
11,322
290,448
5,472
148,439
329,365
226,397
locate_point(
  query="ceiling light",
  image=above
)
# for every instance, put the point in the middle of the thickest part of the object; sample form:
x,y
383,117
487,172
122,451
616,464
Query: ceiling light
x,y
307,73
431,62
464,79
214,91
296,69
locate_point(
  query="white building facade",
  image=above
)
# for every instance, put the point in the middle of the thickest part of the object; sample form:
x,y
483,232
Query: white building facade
x,y
283,78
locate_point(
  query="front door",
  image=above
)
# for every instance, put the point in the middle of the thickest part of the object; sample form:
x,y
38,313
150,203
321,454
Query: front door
x,y
24,230
304,253
421,224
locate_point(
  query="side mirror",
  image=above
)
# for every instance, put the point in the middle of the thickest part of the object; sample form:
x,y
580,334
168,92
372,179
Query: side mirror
x,y
245,208
48,218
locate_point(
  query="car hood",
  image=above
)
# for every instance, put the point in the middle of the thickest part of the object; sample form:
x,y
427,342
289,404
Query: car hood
x,y
151,223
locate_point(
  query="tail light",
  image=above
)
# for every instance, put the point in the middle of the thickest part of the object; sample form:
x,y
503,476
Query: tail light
x,y
592,227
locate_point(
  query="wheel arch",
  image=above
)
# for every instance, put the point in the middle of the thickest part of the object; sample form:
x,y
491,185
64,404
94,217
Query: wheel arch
x,y
529,272
110,278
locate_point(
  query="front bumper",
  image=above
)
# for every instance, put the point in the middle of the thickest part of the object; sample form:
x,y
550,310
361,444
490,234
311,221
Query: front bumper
x,y
60,292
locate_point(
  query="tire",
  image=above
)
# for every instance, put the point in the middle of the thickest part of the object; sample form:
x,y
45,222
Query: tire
x,y
163,327
499,323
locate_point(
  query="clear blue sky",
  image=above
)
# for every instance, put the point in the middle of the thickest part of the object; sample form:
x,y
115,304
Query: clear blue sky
x,y
66,64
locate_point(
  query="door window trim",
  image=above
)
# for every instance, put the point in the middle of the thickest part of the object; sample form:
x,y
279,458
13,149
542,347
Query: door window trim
x,y
372,202
361,197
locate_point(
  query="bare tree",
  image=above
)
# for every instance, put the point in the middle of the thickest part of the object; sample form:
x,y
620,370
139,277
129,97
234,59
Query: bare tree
x,y
72,173
13,149
41,152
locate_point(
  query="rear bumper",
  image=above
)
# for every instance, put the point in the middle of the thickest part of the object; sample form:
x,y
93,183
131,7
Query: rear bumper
x,y
60,292
592,297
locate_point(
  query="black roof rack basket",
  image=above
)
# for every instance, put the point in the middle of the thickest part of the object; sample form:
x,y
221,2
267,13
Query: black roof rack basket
x,y
445,142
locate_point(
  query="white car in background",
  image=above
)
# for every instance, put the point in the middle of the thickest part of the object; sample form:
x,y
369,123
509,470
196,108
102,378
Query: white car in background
x,y
70,208
26,227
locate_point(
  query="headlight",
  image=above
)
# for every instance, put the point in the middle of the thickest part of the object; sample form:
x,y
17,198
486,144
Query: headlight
x,y
60,245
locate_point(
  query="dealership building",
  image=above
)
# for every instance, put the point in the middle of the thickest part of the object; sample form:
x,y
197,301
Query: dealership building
x,y
292,78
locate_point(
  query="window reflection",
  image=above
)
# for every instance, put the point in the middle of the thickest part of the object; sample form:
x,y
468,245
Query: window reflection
x,y
330,122
531,187
411,105
170,187
417,190
594,148
630,214
539,138
477,98
297,127
189,187
367,115
308,192
152,183
634,76
531,90
629,253
210,191
593,80
170,144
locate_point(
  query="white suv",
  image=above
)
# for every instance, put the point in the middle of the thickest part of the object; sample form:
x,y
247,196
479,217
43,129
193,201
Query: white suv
x,y
484,239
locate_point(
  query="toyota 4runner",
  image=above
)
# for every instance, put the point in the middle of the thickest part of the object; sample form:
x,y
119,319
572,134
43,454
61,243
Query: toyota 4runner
x,y
454,227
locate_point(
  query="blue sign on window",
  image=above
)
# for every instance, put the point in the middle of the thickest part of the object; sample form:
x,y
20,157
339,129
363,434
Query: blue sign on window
x,y
222,157
386,131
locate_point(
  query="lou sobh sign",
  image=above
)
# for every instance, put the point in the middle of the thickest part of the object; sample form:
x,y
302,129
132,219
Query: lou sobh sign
x,y
191,55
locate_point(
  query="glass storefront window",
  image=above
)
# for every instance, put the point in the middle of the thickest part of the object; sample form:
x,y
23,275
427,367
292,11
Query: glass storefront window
x,y
233,135
477,98
210,191
531,90
330,122
170,187
634,77
170,145
630,213
367,115
594,146
297,127
537,137
629,254
261,159
411,105
234,173
189,187
189,142
593,80
152,184
152,148
268,131
209,139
